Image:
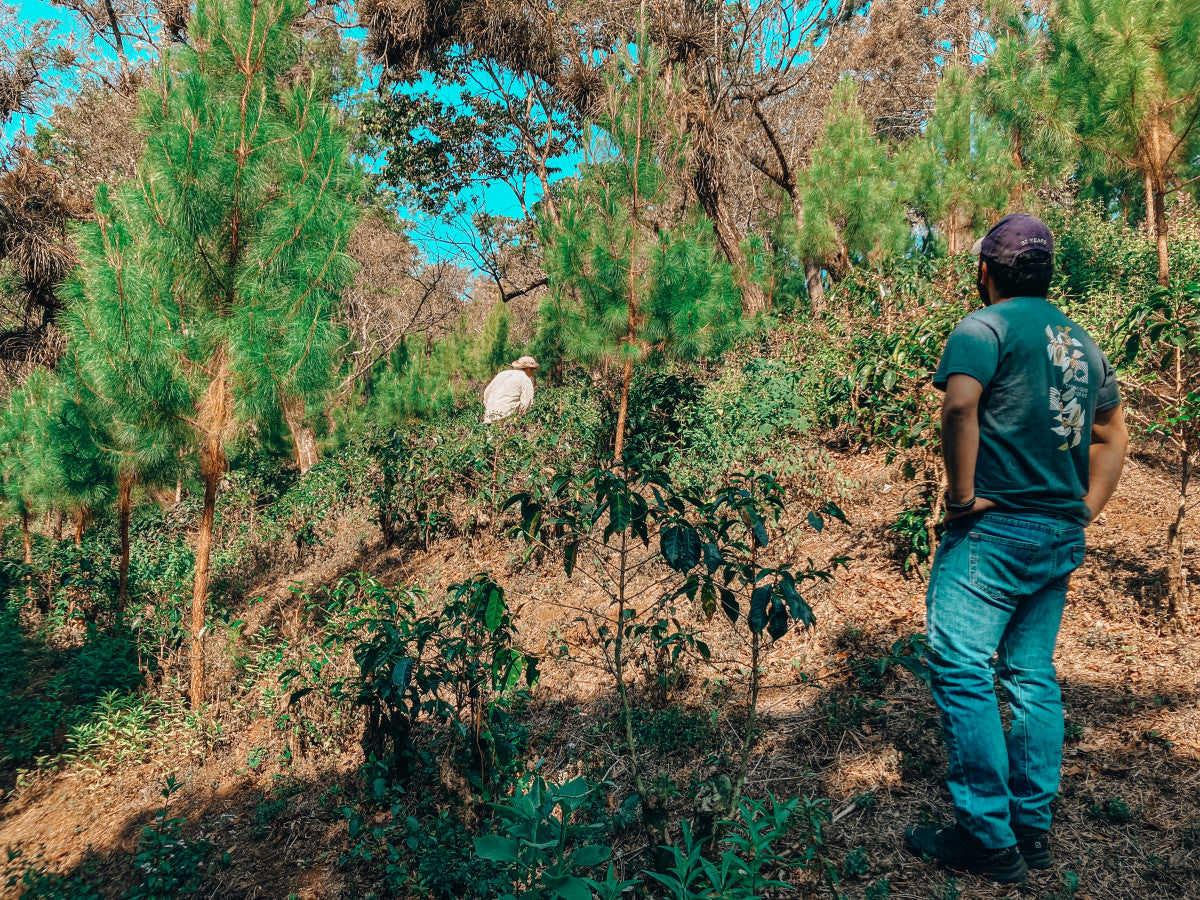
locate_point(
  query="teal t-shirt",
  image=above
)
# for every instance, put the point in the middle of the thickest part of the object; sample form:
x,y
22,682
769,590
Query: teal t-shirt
x,y
1043,381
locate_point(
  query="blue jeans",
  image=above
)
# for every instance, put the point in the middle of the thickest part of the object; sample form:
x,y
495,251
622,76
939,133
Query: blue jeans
x,y
998,586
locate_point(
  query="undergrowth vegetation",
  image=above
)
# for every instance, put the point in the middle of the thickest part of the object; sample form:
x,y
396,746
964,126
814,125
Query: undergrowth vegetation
x,y
691,542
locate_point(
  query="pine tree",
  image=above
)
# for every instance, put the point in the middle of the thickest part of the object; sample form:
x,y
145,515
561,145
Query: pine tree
x,y
1125,76
1013,91
27,464
207,285
632,276
849,207
960,172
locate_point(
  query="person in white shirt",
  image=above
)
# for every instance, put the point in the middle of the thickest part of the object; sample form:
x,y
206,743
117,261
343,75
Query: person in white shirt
x,y
511,392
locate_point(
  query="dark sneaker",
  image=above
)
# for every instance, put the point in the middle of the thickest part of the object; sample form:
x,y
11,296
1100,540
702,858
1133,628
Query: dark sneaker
x,y
1034,845
953,848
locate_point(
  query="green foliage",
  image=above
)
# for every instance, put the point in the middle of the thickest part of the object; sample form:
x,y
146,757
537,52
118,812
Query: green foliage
x,y
856,864
1114,810
626,284
748,856
1070,884
33,883
960,171
1127,91
1013,91
849,207
457,664
443,864
46,692
168,864
223,262
911,534
548,854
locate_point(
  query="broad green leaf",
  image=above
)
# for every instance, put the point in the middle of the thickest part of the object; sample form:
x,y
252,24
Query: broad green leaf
x,y
712,557
681,547
760,600
777,624
799,609
496,848
730,605
815,520
590,855
572,889
708,598
495,609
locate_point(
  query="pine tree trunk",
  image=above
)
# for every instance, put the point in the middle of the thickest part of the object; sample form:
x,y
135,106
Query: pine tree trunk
x,y
1148,181
1177,588
215,415
59,517
80,524
304,439
623,410
200,587
816,288
124,510
1160,236
27,547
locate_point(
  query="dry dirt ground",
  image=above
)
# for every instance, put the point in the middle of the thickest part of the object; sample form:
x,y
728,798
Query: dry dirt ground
x,y
1127,821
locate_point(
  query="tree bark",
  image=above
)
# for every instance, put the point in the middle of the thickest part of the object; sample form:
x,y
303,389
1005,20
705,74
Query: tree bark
x,y
623,410
1148,181
200,587
304,439
27,547
124,510
59,516
1160,236
816,287
215,414
80,525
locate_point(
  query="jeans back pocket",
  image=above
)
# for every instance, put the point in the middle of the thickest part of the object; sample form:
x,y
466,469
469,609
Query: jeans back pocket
x,y
1000,566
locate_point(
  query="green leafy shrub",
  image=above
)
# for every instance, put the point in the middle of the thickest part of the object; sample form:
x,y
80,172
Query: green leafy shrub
x,y
168,864
547,853
748,859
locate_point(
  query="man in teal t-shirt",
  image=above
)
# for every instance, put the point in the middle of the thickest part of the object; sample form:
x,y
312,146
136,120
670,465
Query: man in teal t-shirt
x,y
1034,440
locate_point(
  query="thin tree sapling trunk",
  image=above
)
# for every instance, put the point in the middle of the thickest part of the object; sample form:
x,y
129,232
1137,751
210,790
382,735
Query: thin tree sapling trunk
x,y
59,518
623,410
124,511
1160,236
27,547
215,415
80,525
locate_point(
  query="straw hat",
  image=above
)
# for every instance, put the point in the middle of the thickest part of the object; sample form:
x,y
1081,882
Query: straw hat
x,y
526,362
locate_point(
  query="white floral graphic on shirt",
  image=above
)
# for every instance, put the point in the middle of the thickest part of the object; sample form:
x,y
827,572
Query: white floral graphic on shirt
x,y
1067,402
1068,416
1067,354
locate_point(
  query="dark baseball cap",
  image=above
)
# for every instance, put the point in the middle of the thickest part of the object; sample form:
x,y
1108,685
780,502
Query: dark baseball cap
x,y
1014,236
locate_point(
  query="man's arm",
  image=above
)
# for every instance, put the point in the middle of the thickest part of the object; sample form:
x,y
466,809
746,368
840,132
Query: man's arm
x,y
1106,458
960,438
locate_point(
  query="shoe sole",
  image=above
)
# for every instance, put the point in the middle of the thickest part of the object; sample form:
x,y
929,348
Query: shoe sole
x,y
1014,875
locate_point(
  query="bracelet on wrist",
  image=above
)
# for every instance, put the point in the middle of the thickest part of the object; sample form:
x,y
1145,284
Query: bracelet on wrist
x,y
963,506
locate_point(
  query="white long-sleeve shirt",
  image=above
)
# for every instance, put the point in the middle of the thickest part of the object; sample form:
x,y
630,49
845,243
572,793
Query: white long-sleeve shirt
x,y
509,393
